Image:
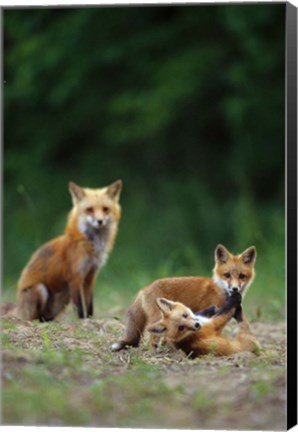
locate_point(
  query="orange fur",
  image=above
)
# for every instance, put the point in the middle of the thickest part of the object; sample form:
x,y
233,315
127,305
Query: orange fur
x,y
65,268
197,335
197,293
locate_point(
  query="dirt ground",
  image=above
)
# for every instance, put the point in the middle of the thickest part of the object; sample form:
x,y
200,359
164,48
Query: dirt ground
x,y
69,367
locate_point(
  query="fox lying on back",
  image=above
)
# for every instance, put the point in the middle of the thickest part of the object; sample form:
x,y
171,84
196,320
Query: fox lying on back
x,y
197,335
231,273
64,269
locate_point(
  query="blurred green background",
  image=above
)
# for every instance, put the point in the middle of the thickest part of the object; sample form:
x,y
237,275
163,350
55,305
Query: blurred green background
x,y
184,103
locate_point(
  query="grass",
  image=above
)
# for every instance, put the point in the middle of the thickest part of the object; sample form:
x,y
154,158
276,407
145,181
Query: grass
x,y
65,374
174,235
67,378
261,388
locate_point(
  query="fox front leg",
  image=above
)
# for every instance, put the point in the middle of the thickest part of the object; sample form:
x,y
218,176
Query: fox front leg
x,y
88,292
238,315
90,307
82,294
208,312
224,314
78,297
85,304
82,309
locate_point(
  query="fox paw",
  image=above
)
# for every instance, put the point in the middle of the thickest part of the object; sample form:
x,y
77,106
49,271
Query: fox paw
x,y
117,346
235,299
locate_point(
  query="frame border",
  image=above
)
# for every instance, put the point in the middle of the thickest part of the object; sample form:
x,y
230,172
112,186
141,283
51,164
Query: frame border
x,y
291,206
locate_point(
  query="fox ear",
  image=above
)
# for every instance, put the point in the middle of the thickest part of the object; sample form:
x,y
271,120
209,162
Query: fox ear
x,y
249,255
165,305
221,254
114,190
157,328
76,192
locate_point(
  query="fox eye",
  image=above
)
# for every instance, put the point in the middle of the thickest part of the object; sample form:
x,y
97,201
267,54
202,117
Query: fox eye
x,y
89,210
105,209
185,315
241,276
227,275
181,328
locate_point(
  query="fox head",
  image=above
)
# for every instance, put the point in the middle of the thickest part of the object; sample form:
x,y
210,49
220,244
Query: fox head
x,y
177,322
234,272
94,209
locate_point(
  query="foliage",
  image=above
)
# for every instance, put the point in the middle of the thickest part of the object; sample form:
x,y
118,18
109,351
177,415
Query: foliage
x,y
184,103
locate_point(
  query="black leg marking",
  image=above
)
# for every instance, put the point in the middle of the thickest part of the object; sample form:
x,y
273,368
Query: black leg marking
x,y
44,319
208,312
238,314
234,301
80,307
90,308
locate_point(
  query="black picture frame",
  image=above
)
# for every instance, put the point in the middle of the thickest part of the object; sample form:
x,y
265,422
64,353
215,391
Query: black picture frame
x,y
291,175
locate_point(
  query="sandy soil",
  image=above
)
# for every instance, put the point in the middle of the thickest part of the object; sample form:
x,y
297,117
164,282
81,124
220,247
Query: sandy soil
x,y
243,391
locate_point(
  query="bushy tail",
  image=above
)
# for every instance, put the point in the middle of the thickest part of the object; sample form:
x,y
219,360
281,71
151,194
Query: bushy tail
x,y
8,309
135,325
245,340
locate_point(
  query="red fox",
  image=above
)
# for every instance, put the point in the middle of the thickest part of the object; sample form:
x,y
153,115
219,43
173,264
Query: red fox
x,y
65,268
197,335
231,273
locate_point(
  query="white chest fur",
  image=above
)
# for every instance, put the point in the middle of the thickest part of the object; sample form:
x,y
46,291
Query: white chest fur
x,y
99,251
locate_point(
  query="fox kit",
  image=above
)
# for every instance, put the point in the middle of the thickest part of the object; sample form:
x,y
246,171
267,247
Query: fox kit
x,y
197,335
231,273
64,269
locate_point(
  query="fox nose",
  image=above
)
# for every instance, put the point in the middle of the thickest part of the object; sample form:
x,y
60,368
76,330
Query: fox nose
x,y
235,289
197,325
99,222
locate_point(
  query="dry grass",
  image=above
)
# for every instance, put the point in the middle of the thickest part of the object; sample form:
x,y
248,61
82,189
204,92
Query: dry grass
x,y
64,373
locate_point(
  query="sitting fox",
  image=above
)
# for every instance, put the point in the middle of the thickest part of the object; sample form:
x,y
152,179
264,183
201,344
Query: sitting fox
x,y
65,268
231,273
197,335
